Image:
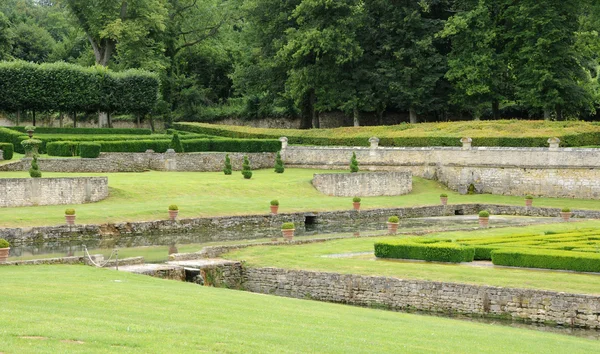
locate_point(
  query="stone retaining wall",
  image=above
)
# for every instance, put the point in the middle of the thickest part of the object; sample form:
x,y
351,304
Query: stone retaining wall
x,y
15,192
363,184
139,162
566,172
398,294
230,228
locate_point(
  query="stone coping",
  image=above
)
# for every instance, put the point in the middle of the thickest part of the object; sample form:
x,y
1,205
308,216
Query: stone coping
x,y
445,148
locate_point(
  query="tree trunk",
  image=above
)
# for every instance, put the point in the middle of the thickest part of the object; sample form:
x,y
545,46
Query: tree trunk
x,y
60,119
496,109
356,116
380,116
109,116
74,119
151,120
413,115
307,110
137,116
102,119
33,112
559,113
547,114
18,116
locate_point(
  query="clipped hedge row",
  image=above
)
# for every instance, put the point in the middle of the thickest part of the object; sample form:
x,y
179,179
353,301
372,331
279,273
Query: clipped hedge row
x,y
301,138
89,150
70,148
76,131
548,259
439,252
13,137
7,150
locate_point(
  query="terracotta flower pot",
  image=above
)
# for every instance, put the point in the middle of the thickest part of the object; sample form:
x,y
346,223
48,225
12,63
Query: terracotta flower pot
x,y
565,215
70,219
356,205
484,221
274,209
528,202
173,214
392,227
288,234
444,200
4,254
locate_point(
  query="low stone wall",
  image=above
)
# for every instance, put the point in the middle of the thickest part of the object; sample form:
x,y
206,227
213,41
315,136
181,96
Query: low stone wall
x,y
398,294
15,192
231,228
556,172
363,184
139,162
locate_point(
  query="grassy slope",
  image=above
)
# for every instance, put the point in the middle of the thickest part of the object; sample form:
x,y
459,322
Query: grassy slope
x,y
498,128
81,309
212,193
310,257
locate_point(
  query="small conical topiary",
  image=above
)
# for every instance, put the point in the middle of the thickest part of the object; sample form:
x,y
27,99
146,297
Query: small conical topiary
x,y
353,163
176,143
227,168
246,170
34,171
279,163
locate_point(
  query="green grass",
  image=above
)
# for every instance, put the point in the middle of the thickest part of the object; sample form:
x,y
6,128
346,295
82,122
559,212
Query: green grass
x,y
56,309
311,257
200,194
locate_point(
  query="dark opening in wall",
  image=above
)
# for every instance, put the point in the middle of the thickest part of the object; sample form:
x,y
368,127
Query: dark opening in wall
x,y
310,219
459,212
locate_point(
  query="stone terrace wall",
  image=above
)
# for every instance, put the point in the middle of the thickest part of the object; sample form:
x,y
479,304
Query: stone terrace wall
x,y
16,192
233,228
566,172
139,162
399,294
363,184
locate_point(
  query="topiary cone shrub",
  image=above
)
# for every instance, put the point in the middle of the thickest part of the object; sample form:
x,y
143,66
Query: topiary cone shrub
x,y
246,170
176,143
227,169
353,163
34,171
279,163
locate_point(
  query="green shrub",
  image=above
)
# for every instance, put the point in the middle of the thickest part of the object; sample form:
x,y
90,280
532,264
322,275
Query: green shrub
x,y
4,243
353,163
246,170
279,163
63,148
227,168
484,214
34,171
566,210
13,137
547,259
438,252
443,195
7,150
89,150
356,200
31,146
173,207
176,143
528,196
393,219
70,211
287,226
275,202
83,131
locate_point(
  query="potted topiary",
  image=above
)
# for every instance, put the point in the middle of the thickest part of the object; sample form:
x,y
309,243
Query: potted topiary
x,y
444,198
31,146
528,200
173,211
4,250
274,206
484,218
356,203
30,129
566,214
392,224
227,168
246,169
70,216
287,229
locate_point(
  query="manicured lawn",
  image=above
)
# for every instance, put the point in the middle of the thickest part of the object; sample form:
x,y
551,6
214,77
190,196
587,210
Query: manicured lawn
x,y
55,309
146,196
312,257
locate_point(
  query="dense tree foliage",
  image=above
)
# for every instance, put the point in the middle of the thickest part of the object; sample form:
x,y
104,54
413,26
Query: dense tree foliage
x,y
425,59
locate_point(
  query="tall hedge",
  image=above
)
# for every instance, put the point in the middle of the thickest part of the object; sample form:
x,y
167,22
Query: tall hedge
x,y
7,150
68,87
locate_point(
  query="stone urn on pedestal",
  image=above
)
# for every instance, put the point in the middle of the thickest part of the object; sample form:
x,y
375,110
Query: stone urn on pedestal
x,y
173,212
288,229
392,225
70,216
4,250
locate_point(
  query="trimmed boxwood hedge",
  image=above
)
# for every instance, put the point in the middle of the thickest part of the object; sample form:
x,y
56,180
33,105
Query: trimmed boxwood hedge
x,y
439,252
89,150
13,137
63,148
7,150
118,131
547,259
